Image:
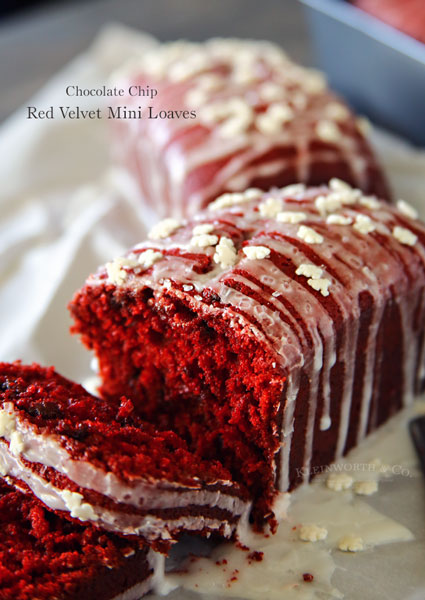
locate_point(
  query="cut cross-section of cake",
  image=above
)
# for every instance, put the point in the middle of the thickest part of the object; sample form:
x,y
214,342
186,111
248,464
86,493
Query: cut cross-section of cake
x,y
95,460
273,331
202,119
43,556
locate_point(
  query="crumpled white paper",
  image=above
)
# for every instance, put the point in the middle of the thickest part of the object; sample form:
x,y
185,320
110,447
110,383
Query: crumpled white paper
x,y
64,209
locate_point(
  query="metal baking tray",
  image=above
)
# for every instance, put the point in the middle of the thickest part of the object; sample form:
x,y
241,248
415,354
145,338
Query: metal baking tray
x,y
380,70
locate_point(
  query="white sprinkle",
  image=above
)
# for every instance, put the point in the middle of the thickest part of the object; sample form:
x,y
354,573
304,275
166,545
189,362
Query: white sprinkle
x,y
370,202
309,235
337,111
188,288
338,220
234,198
328,131
351,543
276,294
405,236
116,274
272,120
204,240
365,488
339,481
270,207
78,509
328,204
225,253
337,185
203,228
17,444
290,217
256,252
235,116
270,92
364,224
293,189
307,270
320,285
407,209
314,81
312,533
364,125
163,229
149,257
325,423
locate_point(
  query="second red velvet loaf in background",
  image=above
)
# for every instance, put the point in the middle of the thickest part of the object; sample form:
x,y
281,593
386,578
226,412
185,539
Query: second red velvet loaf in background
x,y
273,331
230,114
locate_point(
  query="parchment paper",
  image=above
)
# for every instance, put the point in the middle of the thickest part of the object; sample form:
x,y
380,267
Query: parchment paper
x,y
64,210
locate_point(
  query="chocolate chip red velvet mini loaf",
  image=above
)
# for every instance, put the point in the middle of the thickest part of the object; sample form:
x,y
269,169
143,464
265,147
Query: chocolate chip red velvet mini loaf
x,y
230,114
273,331
98,462
44,557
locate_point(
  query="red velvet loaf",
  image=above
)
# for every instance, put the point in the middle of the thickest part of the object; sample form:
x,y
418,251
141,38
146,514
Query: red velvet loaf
x,y
44,557
96,461
273,331
230,114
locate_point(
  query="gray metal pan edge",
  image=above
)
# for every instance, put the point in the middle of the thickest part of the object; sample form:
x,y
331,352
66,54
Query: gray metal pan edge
x,y
380,70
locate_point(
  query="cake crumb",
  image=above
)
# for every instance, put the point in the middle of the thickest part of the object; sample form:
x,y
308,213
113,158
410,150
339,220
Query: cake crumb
x,y
351,543
365,488
312,533
255,556
339,482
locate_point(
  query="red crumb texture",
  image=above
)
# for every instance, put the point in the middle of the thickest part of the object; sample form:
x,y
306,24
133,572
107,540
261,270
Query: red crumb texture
x,y
214,388
108,434
308,577
44,557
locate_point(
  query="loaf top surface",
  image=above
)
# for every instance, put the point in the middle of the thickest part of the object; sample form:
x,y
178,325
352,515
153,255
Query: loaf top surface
x,y
244,100
283,264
